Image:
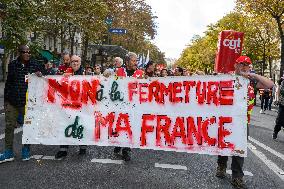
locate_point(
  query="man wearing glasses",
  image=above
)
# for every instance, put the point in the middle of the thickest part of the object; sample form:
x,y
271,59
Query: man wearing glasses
x,y
97,70
76,69
15,99
242,67
129,71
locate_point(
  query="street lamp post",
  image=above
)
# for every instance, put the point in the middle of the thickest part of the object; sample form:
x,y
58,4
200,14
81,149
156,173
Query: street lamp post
x,y
108,21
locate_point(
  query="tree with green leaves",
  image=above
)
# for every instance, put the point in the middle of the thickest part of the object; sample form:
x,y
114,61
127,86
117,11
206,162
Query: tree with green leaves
x,y
20,19
198,56
260,42
137,18
267,8
155,54
61,19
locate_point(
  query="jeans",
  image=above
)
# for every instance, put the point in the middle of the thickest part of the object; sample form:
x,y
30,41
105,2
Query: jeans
x,y
264,101
270,102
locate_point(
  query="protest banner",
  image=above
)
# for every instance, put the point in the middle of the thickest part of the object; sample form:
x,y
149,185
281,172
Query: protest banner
x,y
198,114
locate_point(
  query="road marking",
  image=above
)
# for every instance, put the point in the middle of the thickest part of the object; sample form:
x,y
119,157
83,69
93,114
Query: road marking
x,y
266,161
17,130
170,166
247,173
267,148
106,161
48,157
40,157
36,156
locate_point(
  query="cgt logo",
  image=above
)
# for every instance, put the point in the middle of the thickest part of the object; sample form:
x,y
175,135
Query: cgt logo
x,y
233,44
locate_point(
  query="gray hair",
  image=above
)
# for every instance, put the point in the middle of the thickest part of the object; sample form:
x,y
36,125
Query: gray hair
x,y
130,55
76,56
119,59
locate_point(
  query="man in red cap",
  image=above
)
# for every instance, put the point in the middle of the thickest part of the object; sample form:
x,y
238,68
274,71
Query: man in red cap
x,y
242,67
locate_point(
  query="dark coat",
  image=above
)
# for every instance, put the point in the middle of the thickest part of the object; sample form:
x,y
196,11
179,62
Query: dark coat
x,y
16,86
81,71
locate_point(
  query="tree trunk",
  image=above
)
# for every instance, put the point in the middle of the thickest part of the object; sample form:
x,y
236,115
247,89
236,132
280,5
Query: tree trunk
x,y
4,64
282,56
270,63
72,42
263,60
85,49
61,40
54,43
281,33
270,66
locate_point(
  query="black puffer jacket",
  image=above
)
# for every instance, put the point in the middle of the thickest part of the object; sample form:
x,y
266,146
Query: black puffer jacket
x,y
15,86
80,71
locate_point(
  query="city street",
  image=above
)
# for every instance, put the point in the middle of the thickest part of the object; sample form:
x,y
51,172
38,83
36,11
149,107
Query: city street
x,y
163,78
148,168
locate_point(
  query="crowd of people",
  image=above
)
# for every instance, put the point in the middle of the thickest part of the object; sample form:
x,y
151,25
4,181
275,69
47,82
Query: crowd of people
x,y
16,87
151,69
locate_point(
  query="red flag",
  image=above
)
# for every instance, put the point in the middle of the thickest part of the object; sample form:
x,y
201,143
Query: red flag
x,y
229,49
138,73
120,72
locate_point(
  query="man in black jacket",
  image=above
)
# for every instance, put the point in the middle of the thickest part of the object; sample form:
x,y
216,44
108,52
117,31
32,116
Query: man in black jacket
x,y
130,71
15,99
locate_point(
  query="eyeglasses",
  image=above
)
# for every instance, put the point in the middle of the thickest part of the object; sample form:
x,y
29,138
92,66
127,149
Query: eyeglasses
x,y
74,60
25,52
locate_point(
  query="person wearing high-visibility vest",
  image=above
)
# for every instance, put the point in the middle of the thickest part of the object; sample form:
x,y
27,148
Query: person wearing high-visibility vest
x,y
242,68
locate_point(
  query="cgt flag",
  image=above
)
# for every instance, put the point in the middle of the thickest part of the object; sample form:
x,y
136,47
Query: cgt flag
x,y
229,49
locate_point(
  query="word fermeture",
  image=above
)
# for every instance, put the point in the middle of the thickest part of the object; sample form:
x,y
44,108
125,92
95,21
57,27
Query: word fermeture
x,y
209,92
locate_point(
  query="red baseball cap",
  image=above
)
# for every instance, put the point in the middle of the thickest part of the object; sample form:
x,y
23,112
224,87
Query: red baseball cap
x,y
243,59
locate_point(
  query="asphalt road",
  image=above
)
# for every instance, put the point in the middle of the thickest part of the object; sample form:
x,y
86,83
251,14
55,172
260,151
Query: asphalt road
x,y
100,169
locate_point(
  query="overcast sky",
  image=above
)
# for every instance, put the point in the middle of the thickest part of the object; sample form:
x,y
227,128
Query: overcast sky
x,y
179,20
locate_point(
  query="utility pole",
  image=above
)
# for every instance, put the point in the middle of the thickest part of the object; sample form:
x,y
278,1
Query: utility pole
x,y
108,21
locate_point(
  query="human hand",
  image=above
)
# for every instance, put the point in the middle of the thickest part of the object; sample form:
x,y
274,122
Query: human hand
x,y
106,74
67,74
